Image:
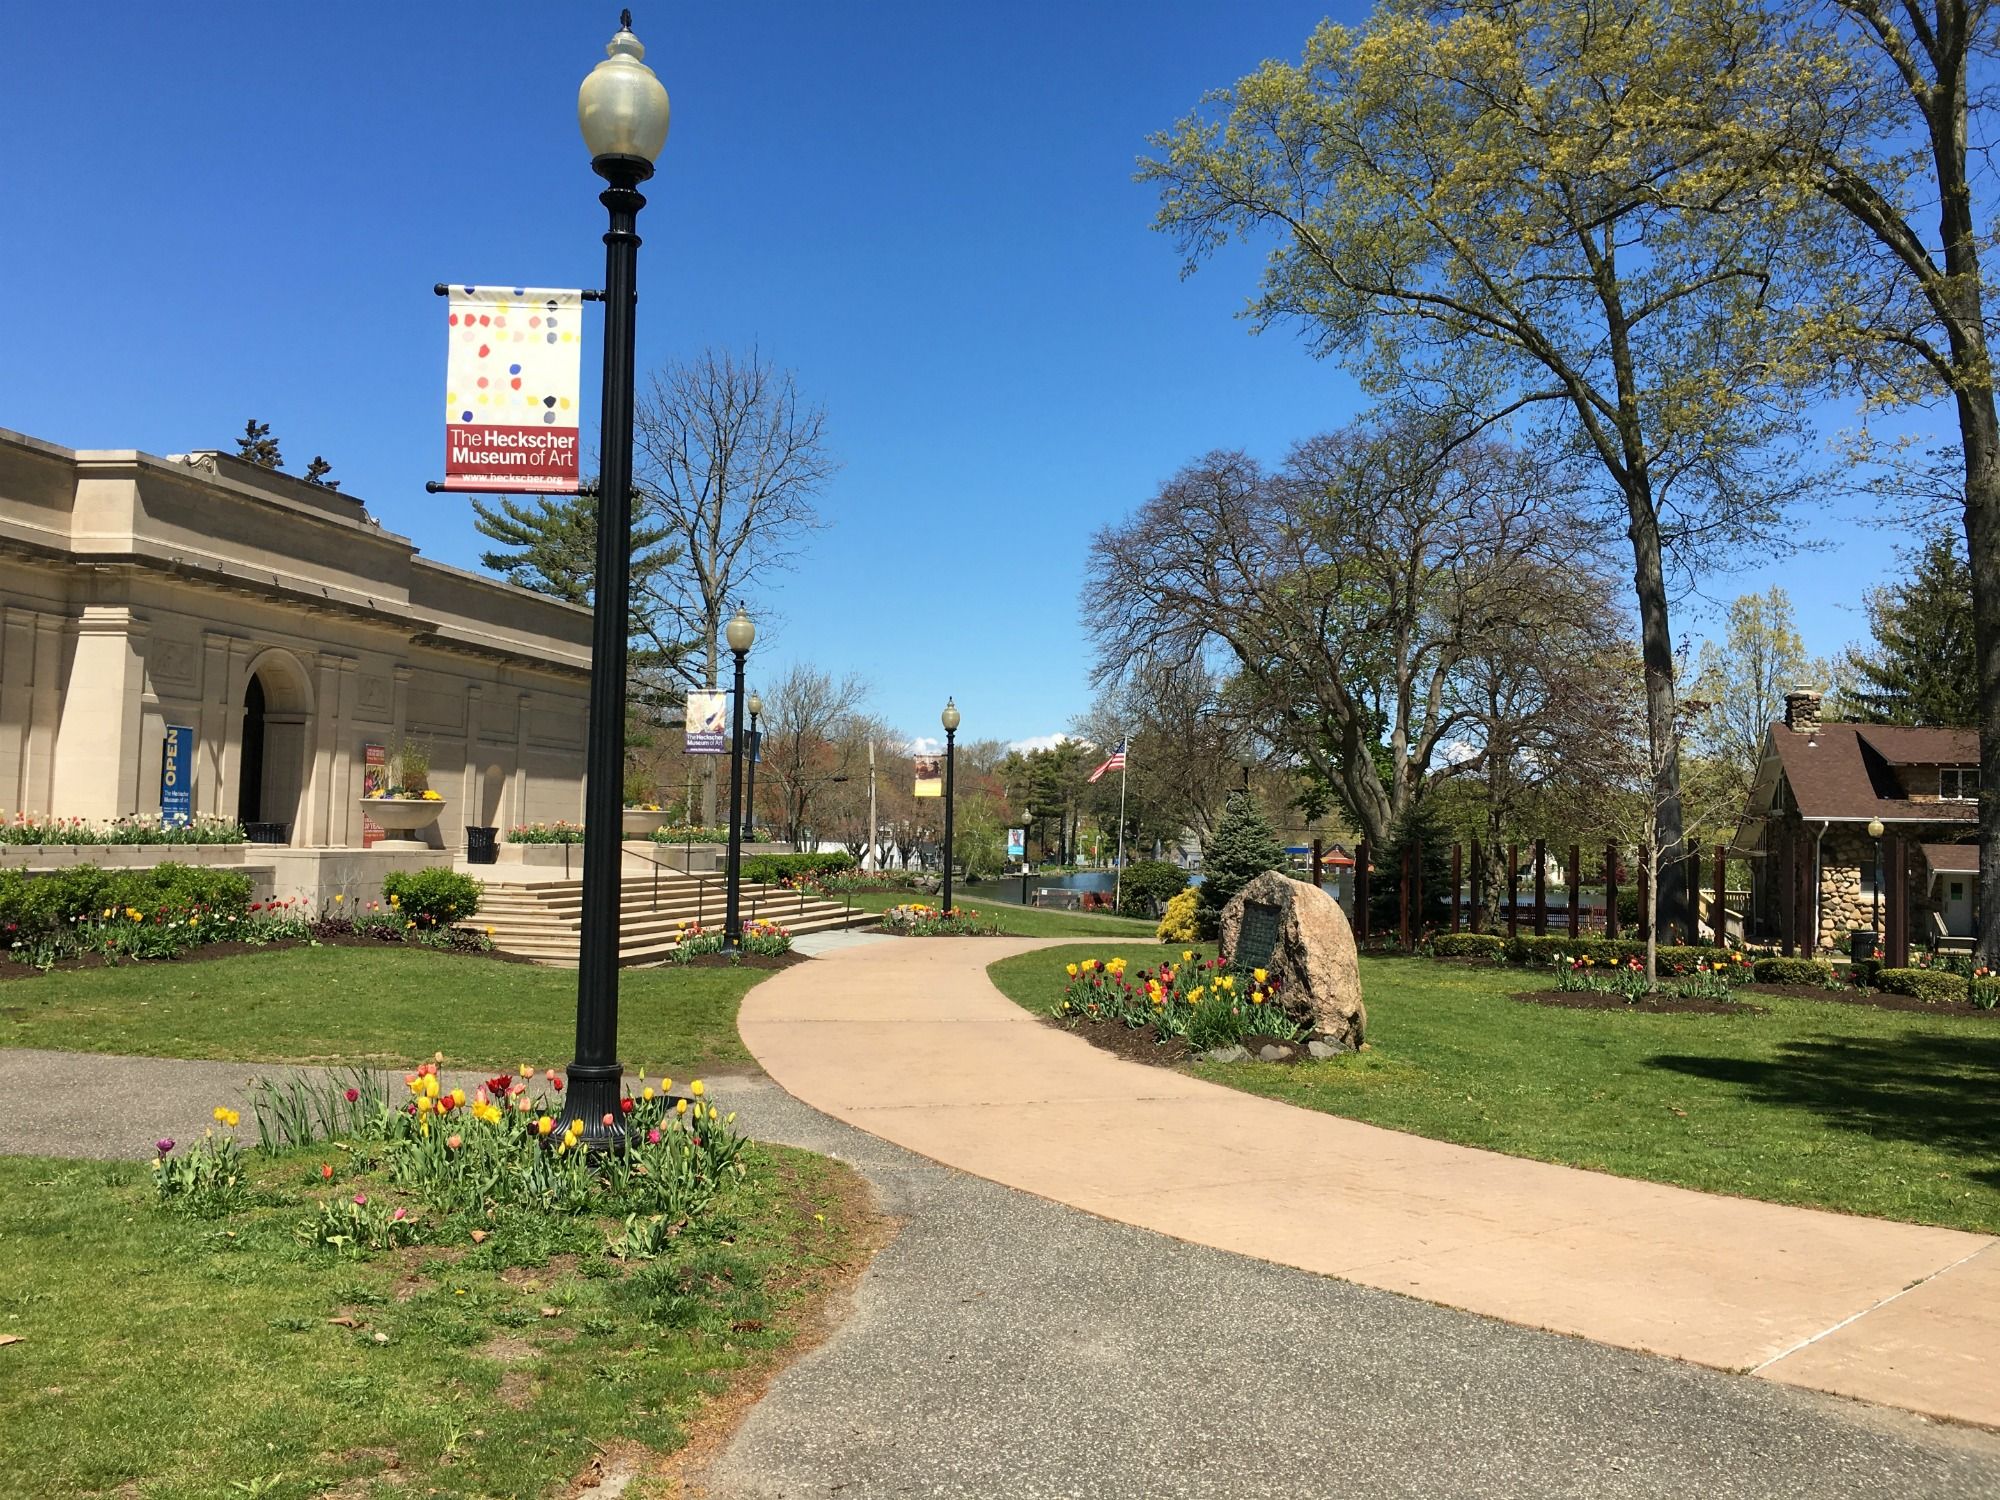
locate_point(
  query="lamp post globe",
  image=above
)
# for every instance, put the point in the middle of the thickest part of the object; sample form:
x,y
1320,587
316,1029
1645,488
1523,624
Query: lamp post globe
x,y
756,707
740,633
622,108
949,718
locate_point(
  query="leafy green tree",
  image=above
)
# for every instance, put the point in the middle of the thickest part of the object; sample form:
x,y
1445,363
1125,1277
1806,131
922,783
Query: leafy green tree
x,y
1242,847
1520,208
549,545
1923,667
1741,682
1901,151
1420,829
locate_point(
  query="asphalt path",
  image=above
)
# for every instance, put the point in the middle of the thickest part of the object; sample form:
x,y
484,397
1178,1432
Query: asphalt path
x,y
1008,1348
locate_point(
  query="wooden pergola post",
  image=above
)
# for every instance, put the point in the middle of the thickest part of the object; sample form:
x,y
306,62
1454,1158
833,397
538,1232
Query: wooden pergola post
x,y
1611,890
1541,888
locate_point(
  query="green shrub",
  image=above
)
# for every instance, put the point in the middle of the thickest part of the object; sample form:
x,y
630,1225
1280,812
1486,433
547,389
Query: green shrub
x,y
432,898
1541,951
34,905
1469,945
1181,922
1809,971
1932,986
770,869
1148,885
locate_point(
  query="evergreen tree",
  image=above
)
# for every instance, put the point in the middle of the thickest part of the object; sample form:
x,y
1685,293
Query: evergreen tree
x,y
549,545
1242,847
1420,824
316,473
1922,667
257,446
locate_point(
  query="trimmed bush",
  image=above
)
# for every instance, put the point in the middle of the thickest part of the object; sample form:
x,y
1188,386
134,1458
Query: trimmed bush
x,y
769,869
1932,986
1793,971
1148,885
1182,921
432,898
1541,951
1485,945
36,904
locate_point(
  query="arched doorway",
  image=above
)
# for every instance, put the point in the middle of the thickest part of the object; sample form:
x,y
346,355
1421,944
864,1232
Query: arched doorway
x,y
272,764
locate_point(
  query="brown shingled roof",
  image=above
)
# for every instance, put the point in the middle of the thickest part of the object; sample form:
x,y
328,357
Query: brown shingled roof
x,y
1952,859
1841,771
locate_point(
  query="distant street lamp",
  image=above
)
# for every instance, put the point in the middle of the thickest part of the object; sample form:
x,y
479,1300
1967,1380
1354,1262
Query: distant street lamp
x,y
622,109
1875,831
756,707
739,633
949,718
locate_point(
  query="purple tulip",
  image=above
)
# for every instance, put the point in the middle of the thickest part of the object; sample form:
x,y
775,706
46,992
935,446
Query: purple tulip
x,y
164,1145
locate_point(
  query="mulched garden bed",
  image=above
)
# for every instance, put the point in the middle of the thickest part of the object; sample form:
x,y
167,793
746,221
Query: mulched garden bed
x,y
207,951
1145,1045
1877,999
1659,1006
747,961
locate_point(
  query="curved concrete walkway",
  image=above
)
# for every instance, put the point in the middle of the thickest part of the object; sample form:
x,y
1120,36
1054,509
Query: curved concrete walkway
x,y
908,1040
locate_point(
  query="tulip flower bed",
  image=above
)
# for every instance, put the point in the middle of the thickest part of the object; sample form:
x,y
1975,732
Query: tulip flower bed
x,y
760,940
498,1316
1709,984
1197,1002
915,919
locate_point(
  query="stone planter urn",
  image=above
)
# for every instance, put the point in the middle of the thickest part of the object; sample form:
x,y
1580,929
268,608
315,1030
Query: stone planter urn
x,y
402,818
641,822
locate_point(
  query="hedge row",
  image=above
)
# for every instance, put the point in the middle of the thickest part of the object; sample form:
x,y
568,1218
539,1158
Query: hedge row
x,y
34,904
1932,986
1543,951
1806,971
769,869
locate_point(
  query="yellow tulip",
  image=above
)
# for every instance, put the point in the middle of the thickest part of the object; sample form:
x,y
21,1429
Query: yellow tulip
x,y
1259,975
458,1096
696,1089
544,1125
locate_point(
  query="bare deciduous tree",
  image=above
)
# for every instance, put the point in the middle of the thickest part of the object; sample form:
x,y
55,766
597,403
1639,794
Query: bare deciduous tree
x,y
809,742
729,458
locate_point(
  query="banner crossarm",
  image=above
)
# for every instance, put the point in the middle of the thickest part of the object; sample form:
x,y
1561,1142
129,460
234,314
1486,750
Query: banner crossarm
x,y
443,289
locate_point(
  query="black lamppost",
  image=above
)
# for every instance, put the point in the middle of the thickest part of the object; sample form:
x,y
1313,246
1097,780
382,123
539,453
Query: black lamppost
x,y
756,707
739,632
622,109
1875,832
949,718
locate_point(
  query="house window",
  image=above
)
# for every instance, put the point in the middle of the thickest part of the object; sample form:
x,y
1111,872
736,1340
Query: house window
x,y
1959,784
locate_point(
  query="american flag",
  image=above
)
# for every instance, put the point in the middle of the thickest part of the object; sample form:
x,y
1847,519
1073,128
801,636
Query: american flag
x,y
1115,762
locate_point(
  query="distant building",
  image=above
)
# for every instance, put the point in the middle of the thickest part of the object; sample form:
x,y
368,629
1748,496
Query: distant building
x,y
283,627
1813,863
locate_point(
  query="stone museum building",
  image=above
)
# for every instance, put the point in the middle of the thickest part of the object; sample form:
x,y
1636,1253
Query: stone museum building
x,y
280,634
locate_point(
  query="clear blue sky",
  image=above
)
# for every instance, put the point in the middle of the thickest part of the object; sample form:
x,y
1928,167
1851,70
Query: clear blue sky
x,y
225,210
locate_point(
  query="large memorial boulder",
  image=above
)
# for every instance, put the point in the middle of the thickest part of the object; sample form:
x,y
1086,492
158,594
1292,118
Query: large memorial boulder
x,y
1299,933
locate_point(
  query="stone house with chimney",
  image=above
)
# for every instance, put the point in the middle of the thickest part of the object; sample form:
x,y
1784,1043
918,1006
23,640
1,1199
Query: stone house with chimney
x,y
1830,806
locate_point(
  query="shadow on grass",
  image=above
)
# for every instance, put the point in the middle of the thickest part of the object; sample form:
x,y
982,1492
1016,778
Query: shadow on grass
x,y
1938,1090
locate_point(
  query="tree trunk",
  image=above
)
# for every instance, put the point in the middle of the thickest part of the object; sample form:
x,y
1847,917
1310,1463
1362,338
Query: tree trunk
x,y
1657,654
1981,443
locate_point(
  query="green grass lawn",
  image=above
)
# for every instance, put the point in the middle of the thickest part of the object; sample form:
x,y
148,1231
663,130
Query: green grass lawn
x,y
1889,1113
1028,921
176,1357
369,1005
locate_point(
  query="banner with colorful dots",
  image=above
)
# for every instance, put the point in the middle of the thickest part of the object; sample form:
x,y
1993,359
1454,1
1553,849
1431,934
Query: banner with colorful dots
x,y
510,389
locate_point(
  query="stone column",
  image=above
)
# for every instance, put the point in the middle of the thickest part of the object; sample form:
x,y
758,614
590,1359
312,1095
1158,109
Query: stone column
x,y
521,758
472,784
97,746
326,716
344,823
17,705
212,733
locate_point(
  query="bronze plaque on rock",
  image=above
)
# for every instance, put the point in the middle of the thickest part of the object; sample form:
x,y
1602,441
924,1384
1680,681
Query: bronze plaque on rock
x,y
1257,938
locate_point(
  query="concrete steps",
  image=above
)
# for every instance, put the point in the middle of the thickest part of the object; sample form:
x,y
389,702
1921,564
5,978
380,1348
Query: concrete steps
x,y
544,921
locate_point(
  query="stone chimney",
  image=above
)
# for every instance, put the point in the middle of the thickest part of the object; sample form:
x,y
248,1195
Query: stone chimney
x,y
1802,709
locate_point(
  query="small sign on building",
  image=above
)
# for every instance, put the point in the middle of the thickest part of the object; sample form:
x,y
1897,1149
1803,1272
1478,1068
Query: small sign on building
x,y
374,782
177,776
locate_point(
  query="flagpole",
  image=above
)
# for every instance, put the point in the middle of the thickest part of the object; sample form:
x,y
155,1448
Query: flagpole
x,y
1118,880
